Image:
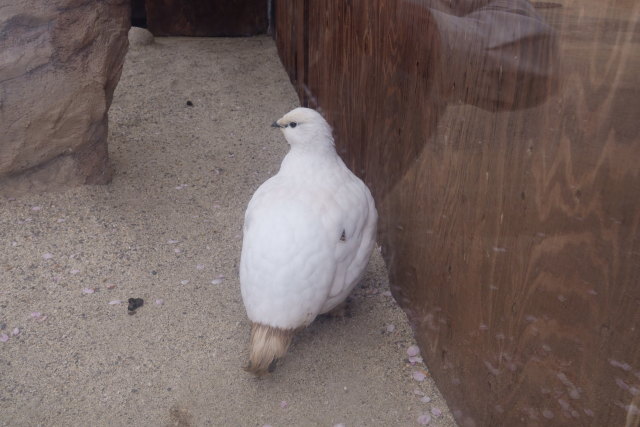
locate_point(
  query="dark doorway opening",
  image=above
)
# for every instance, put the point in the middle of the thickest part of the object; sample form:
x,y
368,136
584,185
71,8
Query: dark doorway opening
x,y
138,14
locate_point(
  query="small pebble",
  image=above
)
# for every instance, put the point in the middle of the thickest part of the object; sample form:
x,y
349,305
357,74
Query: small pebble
x,y
436,412
391,328
134,304
4,337
284,404
115,301
159,301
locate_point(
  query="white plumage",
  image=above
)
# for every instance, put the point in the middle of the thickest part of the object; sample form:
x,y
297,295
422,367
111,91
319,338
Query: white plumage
x,y
308,233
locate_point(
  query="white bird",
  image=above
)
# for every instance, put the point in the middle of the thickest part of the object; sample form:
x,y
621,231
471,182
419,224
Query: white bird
x,y
308,235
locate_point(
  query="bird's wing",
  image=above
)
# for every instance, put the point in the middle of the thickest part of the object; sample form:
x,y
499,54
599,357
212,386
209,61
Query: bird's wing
x,y
358,221
287,263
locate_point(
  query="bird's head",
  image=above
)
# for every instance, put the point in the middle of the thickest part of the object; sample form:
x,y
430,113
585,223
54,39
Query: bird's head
x,y
305,127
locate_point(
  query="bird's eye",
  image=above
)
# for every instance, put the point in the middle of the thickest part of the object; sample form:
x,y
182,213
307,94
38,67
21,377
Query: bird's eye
x,y
293,124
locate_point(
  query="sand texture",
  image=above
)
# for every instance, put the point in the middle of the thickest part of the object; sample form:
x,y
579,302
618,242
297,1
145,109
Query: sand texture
x,y
168,230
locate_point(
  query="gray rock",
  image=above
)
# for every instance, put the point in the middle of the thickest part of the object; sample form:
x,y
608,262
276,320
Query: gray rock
x,y
60,62
140,37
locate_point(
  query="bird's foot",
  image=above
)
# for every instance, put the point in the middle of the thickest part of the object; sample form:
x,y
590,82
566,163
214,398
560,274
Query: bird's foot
x,y
341,310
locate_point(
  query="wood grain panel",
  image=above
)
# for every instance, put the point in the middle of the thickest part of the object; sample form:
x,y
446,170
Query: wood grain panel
x,y
290,34
508,184
206,18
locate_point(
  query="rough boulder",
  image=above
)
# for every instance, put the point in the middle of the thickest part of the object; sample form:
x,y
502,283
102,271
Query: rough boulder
x,y
60,62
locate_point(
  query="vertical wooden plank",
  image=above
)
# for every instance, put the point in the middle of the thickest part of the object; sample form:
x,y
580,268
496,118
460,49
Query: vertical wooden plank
x,y
508,187
370,71
290,38
283,12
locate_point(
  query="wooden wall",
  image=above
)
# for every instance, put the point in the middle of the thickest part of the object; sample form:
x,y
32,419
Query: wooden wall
x,y
206,18
507,177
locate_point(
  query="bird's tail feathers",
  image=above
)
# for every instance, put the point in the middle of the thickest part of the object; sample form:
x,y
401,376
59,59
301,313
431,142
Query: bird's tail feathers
x,y
267,345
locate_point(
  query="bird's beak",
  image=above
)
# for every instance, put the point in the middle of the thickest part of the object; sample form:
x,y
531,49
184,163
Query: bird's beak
x,y
276,125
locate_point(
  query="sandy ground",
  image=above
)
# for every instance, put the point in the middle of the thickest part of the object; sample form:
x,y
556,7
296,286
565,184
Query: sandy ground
x,y
168,230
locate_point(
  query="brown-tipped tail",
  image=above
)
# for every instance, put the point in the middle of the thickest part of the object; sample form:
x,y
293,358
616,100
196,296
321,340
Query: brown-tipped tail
x,y
267,345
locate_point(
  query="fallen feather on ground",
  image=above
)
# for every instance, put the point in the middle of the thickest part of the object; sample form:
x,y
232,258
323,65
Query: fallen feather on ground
x,y
284,404
88,291
47,255
159,301
415,359
418,376
413,351
424,419
115,301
